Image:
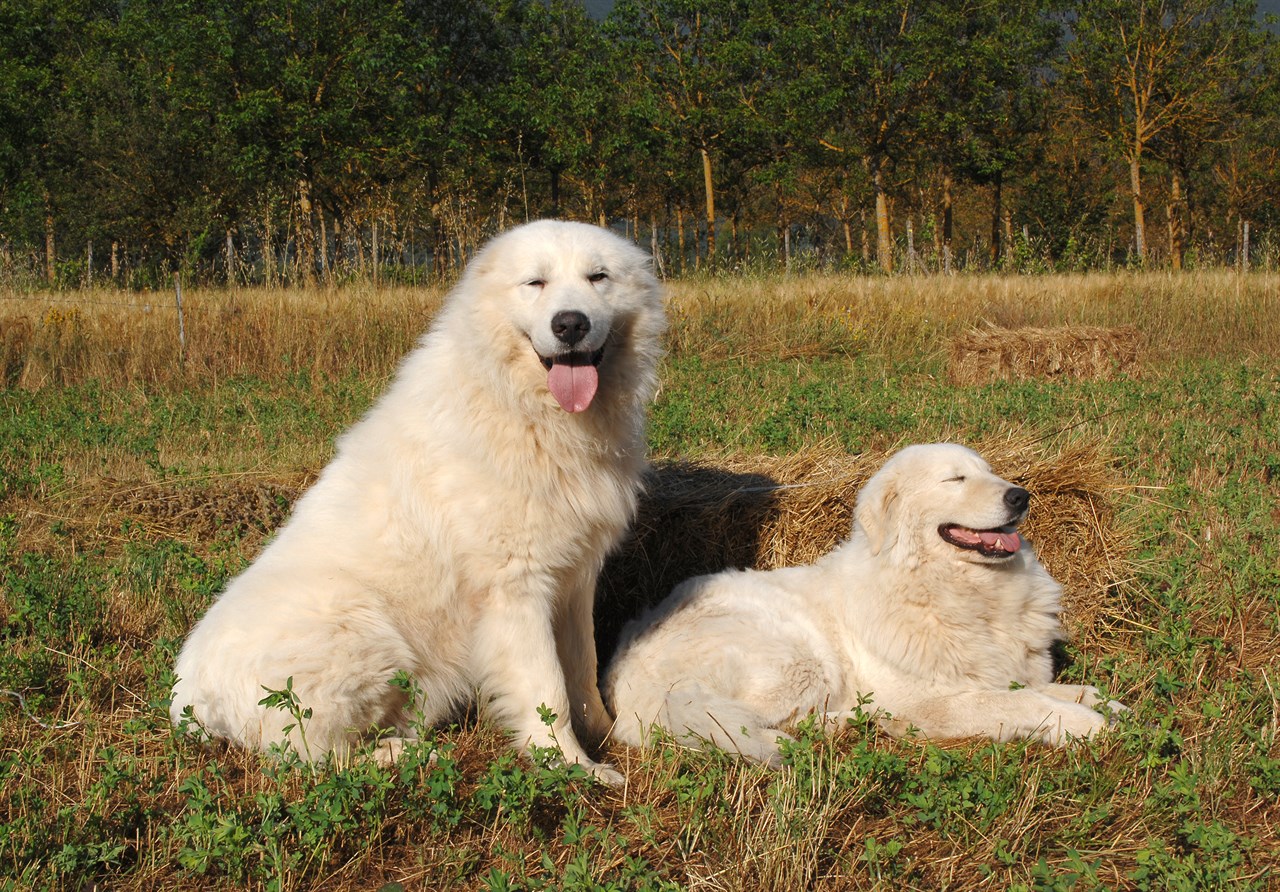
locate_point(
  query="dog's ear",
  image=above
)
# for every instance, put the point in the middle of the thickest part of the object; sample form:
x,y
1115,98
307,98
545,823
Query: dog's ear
x,y
876,510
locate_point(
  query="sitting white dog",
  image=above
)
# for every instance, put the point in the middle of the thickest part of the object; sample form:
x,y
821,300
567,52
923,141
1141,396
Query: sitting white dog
x,y
935,609
457,535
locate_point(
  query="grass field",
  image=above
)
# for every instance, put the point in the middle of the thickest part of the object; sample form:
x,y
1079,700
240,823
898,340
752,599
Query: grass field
x,y
138,472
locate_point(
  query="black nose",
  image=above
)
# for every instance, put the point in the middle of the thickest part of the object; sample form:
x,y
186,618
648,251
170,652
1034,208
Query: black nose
x,y
570,326
1017,498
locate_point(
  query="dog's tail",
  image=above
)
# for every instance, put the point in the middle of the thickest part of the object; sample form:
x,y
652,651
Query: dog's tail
x,y
695,716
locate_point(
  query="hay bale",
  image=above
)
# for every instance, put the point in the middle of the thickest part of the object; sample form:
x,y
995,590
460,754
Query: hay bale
x,y
734,511
774,511
240,507
990,354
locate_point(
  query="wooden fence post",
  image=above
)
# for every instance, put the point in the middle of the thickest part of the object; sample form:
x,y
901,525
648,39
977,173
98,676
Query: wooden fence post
x,y
182,331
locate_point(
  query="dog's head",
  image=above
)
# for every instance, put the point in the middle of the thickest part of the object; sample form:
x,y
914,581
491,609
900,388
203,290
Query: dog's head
x,y
578,309
941,499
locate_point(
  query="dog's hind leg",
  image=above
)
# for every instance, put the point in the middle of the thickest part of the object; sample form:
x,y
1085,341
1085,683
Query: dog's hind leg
x,y
689,711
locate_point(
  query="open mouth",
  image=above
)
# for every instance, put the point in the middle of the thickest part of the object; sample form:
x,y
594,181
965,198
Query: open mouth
x,y
578,358
998,542
573,378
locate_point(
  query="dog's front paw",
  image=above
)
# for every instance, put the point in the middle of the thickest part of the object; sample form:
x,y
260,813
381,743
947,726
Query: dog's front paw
x,y
1095,723
1075,723
606,774
1110,709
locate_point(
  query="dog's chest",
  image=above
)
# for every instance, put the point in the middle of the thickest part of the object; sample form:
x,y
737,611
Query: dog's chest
x,y
966,646
550,509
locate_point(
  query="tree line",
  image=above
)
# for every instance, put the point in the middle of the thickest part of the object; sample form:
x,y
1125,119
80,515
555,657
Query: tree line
x,y
274,140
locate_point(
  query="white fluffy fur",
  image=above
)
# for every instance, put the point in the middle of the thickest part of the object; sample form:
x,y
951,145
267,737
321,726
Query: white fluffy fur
x,y
458,532
945,640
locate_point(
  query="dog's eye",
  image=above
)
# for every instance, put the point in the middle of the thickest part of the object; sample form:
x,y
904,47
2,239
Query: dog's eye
x,y
597,277
959,479
536,283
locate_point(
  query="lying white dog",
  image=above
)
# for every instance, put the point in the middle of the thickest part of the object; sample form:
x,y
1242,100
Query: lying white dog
x,y
935,609
458,533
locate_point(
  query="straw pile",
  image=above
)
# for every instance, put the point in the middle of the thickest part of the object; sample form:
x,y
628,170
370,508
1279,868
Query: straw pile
x,y
766,512
735,511
989,354
239,506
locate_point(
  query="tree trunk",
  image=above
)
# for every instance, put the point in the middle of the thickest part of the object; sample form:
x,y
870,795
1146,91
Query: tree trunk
x,y
884,235
50,246
863,239
680,235
268,250
324,249
655,247
1176,237
231,260
115,261
1139,212
306,235
711,206
337,264
997,210
946,215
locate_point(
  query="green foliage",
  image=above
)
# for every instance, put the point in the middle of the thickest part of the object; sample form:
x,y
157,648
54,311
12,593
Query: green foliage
x,y
49,600
287,701
302,134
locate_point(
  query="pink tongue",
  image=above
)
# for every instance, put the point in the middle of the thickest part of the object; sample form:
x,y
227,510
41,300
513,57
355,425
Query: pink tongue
x,y
1011,541
573,386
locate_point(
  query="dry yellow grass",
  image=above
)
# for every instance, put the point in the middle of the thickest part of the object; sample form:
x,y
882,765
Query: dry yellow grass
x,y
1192,314
53,339
118,337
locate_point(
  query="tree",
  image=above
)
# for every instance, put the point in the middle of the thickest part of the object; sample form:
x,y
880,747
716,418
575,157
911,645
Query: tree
x,y
26,92
560,104
45,46
990,109
458,73
1141,70
695,59
863,75
1244,154
321,91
